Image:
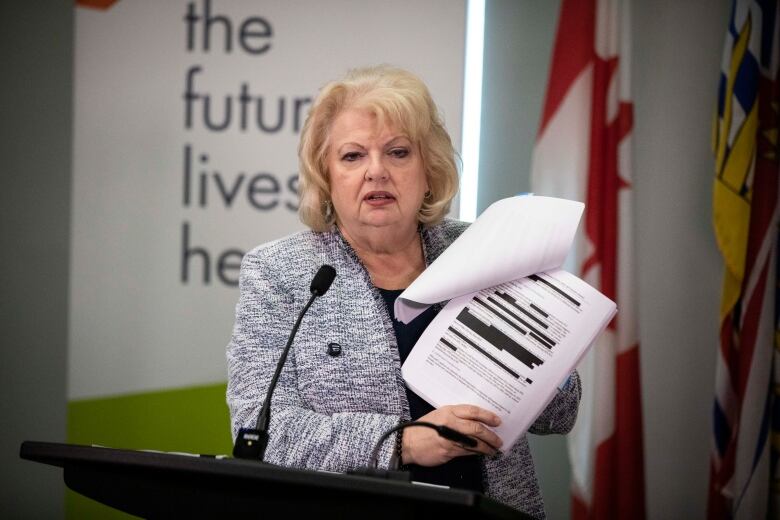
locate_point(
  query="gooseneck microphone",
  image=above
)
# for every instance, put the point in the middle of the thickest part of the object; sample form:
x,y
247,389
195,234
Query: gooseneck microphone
x,y
251,442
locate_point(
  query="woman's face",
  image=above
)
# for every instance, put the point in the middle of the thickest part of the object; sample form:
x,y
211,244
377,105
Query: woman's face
x,y
376,174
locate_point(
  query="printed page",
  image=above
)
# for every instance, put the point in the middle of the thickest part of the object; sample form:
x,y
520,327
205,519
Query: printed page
x,y
509,347
514,237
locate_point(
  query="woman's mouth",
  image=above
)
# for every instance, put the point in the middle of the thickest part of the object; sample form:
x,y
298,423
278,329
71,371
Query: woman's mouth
x,y
379,198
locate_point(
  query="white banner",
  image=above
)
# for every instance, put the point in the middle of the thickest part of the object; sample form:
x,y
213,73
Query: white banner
x,y
187,118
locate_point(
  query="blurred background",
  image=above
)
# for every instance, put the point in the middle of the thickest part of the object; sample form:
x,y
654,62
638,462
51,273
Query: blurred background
x,y
124,210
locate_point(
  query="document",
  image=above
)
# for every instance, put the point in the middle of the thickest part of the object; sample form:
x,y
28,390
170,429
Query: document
x,y
509,347
515,335
514,237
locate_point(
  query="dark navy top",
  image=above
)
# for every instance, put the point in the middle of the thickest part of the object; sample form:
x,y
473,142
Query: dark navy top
x,y
460,472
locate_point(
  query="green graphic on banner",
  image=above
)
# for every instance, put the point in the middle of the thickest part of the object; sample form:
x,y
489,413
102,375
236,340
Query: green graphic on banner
x,y
193,420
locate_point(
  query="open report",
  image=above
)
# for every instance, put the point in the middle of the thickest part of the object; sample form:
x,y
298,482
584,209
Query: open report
x,y
516,324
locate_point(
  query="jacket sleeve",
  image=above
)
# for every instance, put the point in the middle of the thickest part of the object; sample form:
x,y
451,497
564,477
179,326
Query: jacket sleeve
x,y
559,416
299,436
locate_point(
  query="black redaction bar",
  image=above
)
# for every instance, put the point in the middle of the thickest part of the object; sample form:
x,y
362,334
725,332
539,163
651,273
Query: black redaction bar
x,y
453,347
508,322
513,302
554,288
498,338
539,335
540,339
540,311
481,351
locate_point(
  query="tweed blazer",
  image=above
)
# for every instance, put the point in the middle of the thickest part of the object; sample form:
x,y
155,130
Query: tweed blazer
x,y
328,411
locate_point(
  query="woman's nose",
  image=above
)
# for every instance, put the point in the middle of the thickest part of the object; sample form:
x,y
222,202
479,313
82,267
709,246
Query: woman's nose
x,y
376,169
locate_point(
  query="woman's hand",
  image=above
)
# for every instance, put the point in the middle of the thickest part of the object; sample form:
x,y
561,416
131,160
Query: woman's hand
x,y
424,447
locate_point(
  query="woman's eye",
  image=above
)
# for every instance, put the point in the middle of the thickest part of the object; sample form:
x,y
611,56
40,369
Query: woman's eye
x,y
350,156
399,153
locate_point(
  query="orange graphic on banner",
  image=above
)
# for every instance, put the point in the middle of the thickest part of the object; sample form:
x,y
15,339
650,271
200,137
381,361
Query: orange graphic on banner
x,y
96,4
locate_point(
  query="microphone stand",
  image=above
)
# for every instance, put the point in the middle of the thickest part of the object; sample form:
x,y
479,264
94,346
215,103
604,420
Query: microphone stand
x,y
252,442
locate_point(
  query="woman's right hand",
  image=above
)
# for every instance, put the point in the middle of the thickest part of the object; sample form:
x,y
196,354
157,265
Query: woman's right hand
x,y
424,446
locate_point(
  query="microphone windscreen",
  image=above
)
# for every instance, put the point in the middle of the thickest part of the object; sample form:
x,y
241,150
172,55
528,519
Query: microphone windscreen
x,y
322,280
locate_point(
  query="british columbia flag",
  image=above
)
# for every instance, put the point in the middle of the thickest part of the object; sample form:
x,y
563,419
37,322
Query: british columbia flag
x,y
745,217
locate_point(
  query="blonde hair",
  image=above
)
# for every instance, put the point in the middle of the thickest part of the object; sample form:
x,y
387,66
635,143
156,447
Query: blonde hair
x,y
395,97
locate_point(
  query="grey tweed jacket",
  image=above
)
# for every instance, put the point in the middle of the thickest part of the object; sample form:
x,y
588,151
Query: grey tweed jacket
x,y
328,412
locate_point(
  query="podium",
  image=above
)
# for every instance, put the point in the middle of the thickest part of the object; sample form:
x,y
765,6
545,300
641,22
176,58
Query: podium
x,y
156,484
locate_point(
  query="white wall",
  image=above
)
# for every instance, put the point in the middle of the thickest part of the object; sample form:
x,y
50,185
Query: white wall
x,y
677,50
677,56
519,36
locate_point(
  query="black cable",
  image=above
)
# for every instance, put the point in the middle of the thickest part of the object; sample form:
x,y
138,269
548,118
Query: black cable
x,y
444,431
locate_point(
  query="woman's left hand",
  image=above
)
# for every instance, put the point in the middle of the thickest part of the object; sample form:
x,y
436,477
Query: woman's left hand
x,y
424,446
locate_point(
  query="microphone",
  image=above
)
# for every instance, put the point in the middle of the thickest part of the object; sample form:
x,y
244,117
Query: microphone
x,y
322,280
252,442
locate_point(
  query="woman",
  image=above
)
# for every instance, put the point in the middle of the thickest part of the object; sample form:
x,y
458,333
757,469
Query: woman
x,y
377,174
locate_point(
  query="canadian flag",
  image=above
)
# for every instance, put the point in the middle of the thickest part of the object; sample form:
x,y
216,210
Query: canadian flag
x,y
583,153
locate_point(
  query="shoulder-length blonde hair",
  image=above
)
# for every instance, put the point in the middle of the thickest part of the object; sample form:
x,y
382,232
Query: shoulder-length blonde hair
x,y
396,97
